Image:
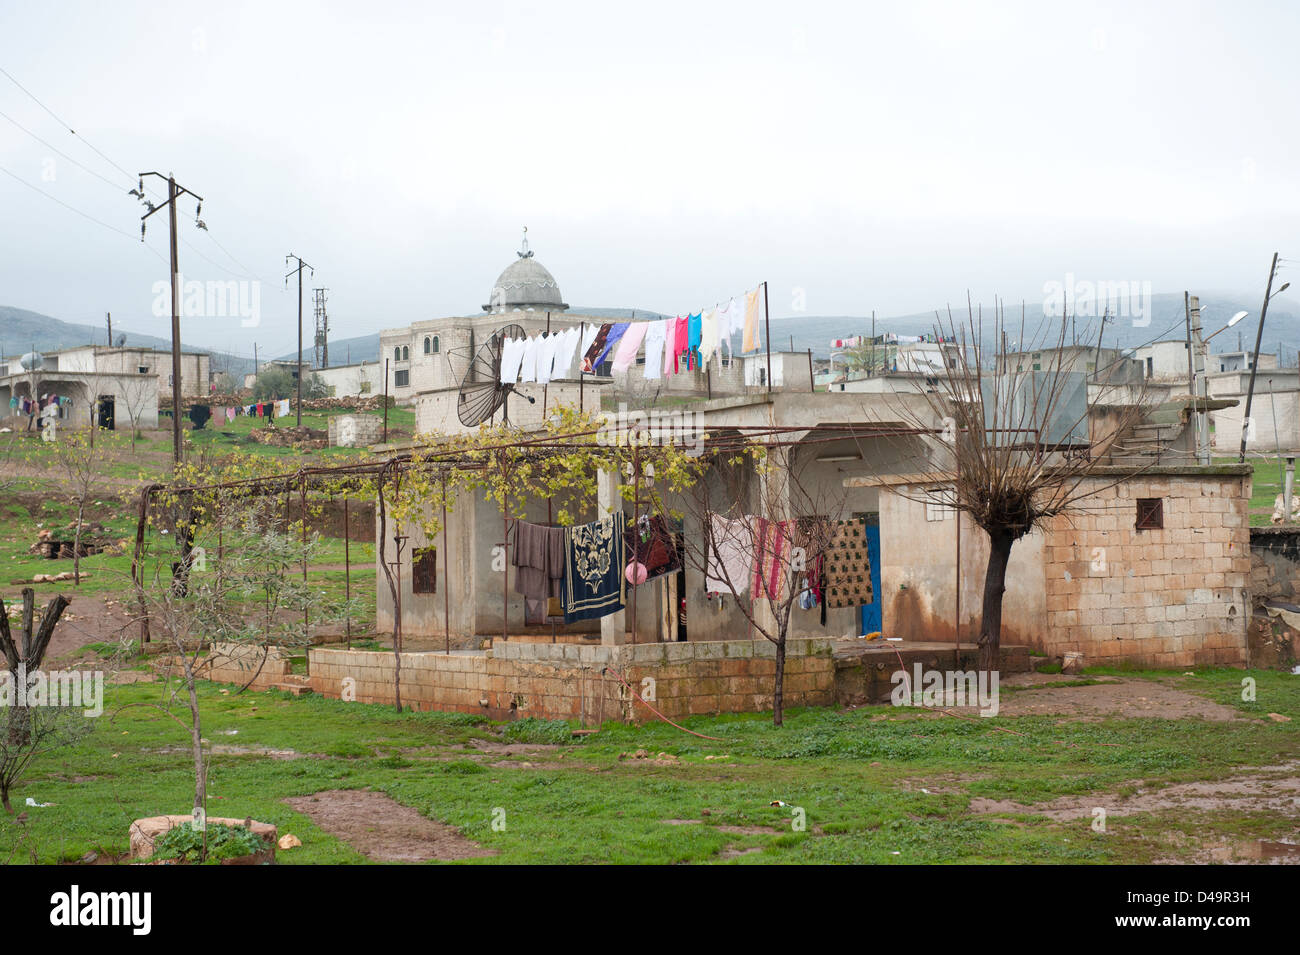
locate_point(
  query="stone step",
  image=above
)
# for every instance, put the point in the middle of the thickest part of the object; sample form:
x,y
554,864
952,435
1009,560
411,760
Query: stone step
x,y
296,689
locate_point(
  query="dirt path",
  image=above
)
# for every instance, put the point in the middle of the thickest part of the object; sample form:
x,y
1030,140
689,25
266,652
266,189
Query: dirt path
x,y
1108,698
91,619
384,830
1270,789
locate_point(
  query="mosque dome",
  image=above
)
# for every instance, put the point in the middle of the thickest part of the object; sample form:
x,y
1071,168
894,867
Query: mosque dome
x,y
525,283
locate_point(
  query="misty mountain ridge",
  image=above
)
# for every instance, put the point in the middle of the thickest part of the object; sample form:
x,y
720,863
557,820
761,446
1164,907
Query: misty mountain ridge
x,y
21,329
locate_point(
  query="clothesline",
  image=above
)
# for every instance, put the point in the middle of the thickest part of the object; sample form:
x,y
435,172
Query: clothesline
x,y
582,572
582,349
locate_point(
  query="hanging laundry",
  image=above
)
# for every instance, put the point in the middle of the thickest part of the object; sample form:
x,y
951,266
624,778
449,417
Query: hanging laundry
x,y
596,348
593,573
650,542
538,560
708,335
230,415
654,351
670,346
693,328
546,357
528,369
613,338
848,566
751,341
771,557
681,342
512,355
629,345
565,350
284,408
730,559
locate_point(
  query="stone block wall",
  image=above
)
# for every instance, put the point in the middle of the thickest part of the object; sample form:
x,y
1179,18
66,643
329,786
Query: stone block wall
x,y
569,681
355,431
239,663
1169,597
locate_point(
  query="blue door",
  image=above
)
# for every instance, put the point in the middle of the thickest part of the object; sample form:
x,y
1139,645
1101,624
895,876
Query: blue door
x,y
871,613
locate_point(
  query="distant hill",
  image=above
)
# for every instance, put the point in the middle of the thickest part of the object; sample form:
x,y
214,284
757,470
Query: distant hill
x,y
1166,321
22,330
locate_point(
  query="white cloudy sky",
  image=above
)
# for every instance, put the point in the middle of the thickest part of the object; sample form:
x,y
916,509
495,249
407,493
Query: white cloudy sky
x,y
874,155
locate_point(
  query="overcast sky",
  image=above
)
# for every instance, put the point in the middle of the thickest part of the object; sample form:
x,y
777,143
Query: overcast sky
x,y
872,155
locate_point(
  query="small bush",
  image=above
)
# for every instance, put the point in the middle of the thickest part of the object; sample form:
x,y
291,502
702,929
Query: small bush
x,y
533,730
185,843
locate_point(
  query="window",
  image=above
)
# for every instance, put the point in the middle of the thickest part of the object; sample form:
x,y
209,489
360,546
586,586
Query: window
x,y
406,353
401,378
424,573
937,507
436,344
397,354
143,370
428,345
1150,514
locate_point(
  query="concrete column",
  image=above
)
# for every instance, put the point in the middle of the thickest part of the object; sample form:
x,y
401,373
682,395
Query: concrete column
x,y
613,627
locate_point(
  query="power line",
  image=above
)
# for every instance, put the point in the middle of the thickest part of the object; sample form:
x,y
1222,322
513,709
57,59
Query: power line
x,y
84,215
247,272
65,125
56,149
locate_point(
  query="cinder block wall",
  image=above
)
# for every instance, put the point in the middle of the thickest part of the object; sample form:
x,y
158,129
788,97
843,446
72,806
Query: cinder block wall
x,y
1175,596
567,681
239,663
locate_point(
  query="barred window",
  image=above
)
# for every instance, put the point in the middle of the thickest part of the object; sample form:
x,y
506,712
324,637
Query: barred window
x,y
1150,513
424,575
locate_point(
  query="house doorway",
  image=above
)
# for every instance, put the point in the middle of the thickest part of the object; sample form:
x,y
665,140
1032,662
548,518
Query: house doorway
x,y
106,413
872,620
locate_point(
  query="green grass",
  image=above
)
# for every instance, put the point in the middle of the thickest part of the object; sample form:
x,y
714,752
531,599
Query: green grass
x,y
856,775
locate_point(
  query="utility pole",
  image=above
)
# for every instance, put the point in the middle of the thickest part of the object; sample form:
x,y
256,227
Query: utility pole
x,y
298,271
1254,365
174,191
1202,384
254,359
1096,362
110,328
322,346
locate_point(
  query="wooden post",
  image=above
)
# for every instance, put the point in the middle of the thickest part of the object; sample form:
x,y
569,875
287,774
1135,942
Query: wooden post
x,y
347,572
767,332
446,559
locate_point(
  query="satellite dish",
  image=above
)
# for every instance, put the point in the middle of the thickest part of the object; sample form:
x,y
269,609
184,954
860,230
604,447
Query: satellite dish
x,y
121,340
481,390
32,361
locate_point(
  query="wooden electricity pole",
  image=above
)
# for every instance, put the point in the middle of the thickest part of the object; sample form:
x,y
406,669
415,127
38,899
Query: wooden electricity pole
x,y
174,192
1254,365
298,271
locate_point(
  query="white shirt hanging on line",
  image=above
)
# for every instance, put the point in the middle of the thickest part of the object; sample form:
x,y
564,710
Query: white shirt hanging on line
x,y
654,351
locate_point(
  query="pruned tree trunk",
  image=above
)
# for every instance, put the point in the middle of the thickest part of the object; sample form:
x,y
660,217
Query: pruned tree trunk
x,y
196,737
76,543
778,692
995,586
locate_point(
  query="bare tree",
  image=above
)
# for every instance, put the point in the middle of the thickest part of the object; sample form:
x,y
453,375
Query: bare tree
x,y
767,529
1021,445
135,393
30,731
80,462
239,559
